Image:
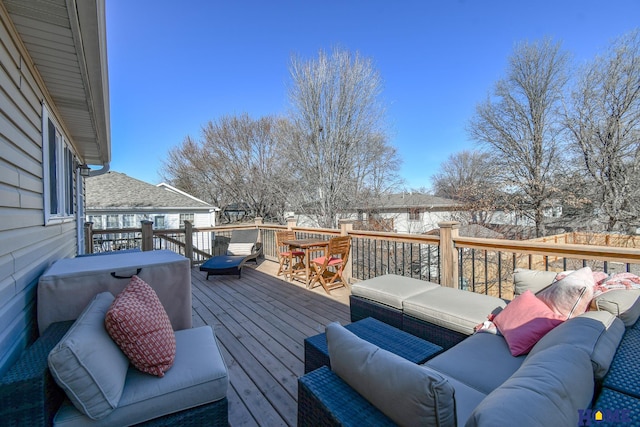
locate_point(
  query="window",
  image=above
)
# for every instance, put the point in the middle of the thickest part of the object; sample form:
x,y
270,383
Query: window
x,y
185,217
97,221
128,221
58,161
158,221
415,214
112,221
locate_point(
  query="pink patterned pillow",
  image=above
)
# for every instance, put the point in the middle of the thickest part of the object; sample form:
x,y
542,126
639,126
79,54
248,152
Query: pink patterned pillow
x,y
524,321
139,324
571,294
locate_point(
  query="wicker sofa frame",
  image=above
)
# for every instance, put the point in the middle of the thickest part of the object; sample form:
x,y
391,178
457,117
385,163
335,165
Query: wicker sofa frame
x,y
29,396
362,308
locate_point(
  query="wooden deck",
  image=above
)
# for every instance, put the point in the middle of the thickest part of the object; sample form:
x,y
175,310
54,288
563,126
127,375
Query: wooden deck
x,y
261,322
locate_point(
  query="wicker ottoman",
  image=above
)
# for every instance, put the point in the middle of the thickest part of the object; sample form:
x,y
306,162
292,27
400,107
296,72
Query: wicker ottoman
x,y
414,349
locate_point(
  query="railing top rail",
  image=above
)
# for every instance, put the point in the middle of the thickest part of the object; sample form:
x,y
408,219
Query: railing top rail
x,y
317,230
601,253
115,230
408,238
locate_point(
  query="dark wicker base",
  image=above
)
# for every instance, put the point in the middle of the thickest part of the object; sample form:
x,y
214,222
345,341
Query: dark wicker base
x,y
446,338
361,308
29,395
325,400
414,349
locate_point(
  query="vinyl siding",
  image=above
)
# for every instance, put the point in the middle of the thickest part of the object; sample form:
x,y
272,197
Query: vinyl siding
x,y
27,247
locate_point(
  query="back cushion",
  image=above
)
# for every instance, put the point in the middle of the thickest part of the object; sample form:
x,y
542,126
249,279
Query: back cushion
x,y
409,394
548,390
596,332
88,365
531,280
624,303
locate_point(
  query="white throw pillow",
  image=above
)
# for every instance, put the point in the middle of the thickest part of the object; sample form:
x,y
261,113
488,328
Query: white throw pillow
x,y
88,365
409,394
240,248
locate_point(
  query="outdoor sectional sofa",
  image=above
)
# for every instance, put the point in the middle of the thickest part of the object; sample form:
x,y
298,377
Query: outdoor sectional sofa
x,y
565,379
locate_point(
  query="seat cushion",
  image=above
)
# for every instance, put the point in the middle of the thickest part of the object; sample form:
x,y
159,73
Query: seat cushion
x,y
420,396
454,309
492,362
548,390
391,289
88,365
138,323
198,376
596,332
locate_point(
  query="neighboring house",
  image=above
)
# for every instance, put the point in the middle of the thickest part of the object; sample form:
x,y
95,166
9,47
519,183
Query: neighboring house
x,y
54,120
115,200
408,212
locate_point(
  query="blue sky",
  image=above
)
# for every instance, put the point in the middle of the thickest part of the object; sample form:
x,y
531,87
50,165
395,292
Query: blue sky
x,y
174,66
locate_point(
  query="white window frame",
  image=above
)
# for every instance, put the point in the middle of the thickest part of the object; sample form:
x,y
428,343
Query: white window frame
x,y
186,216
64,160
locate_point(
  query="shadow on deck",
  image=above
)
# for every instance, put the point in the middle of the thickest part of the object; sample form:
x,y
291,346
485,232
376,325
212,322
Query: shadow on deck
x,y
261,322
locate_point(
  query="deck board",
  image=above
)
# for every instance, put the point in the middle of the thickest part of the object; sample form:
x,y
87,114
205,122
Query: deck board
x,y
261,322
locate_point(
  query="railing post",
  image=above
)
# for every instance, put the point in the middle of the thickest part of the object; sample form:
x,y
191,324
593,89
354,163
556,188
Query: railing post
x,y
188,240
346,225
259,221
449,253
147,235
291,222
88,237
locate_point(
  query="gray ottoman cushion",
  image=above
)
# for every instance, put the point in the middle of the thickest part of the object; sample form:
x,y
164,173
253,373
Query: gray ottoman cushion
x,y
391,289
482,361
198,376
453,309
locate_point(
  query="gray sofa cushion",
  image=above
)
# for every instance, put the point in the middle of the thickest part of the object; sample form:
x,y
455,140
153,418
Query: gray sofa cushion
x,y
548,390
88,365
492,362
466,397
407,393
453,309
532,280
198,376
391,289
596,332
624,303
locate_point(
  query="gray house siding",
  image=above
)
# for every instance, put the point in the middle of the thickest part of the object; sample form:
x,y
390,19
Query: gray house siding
x,y
27,246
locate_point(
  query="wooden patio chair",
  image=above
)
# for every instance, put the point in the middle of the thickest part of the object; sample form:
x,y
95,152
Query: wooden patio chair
x,y
328,268
286,256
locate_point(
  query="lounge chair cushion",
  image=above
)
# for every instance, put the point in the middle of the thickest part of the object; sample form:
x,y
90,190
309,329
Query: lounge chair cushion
x,y
138,323
88,365
454,309
598,333
548,390
532,280
391,289
199,376
624,303
492,362
420,396
240,248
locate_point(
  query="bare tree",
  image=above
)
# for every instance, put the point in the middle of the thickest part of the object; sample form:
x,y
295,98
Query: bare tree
x,y
604,128
236,162
469,178
337,147
519,126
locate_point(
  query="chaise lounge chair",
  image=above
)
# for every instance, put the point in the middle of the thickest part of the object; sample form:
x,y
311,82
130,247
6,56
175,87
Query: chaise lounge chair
x,y
243,247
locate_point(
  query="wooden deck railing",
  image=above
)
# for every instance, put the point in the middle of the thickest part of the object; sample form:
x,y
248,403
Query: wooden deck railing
x,y
478,265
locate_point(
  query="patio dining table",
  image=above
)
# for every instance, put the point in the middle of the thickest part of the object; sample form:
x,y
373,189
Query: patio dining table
x,y
303,272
